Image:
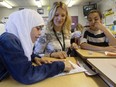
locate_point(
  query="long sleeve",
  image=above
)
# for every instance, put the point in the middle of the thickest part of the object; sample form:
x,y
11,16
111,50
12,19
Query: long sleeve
x,y
40,46
43,45
16,63
48,43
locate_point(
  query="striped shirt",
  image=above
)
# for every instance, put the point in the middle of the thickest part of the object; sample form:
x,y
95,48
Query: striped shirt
x,y
97,38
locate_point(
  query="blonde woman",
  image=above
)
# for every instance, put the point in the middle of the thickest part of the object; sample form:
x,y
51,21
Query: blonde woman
x,y
56,40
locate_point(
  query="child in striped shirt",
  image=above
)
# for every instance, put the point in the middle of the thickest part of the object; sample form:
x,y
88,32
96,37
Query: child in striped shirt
x,y
97,37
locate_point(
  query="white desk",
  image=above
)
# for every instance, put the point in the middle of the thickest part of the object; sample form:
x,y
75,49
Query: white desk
x,y
106,67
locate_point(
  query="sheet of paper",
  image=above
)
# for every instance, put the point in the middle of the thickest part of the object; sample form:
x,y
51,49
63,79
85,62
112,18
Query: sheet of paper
x,y
110,53
76,69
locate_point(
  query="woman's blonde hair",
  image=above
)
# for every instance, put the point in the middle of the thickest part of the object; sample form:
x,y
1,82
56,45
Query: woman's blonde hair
x,y
67,24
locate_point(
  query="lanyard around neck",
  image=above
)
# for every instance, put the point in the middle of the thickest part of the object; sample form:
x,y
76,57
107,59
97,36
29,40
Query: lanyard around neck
x,y
62,45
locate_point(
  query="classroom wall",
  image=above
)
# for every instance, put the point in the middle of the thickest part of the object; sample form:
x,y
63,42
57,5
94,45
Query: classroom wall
x,y
4,12
74,11
1,28
78,11
106,4
102,5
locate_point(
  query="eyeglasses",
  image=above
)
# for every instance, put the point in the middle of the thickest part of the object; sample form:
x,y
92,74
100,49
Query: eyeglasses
x,y
39,27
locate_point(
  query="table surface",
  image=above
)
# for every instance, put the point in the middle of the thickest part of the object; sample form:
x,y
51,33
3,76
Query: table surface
x,y
92,54
73,80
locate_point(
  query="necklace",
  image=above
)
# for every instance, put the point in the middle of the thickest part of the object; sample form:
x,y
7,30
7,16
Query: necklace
x,y
62,45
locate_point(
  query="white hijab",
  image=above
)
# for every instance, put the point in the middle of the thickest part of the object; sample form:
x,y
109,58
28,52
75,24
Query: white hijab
x,y
20,23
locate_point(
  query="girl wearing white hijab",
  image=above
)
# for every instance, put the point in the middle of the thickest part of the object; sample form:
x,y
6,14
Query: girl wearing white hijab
x,y
16,45
24,20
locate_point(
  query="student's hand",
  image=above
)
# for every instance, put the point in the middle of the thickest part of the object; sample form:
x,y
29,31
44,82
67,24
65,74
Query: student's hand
x,y
40,61
60,54
74,46
68,66
100,26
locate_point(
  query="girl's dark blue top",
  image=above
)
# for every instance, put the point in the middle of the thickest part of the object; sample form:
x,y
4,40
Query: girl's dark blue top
x,y
14,62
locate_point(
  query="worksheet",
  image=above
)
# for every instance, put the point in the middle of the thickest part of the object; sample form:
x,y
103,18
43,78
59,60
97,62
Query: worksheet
x,y
76,69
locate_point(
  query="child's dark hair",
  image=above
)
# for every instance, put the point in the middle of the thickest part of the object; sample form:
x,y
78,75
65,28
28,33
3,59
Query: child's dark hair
x,y
95,11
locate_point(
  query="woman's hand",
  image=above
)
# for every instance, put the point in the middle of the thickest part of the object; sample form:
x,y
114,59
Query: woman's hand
x,y
74,46
40,61
60,54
